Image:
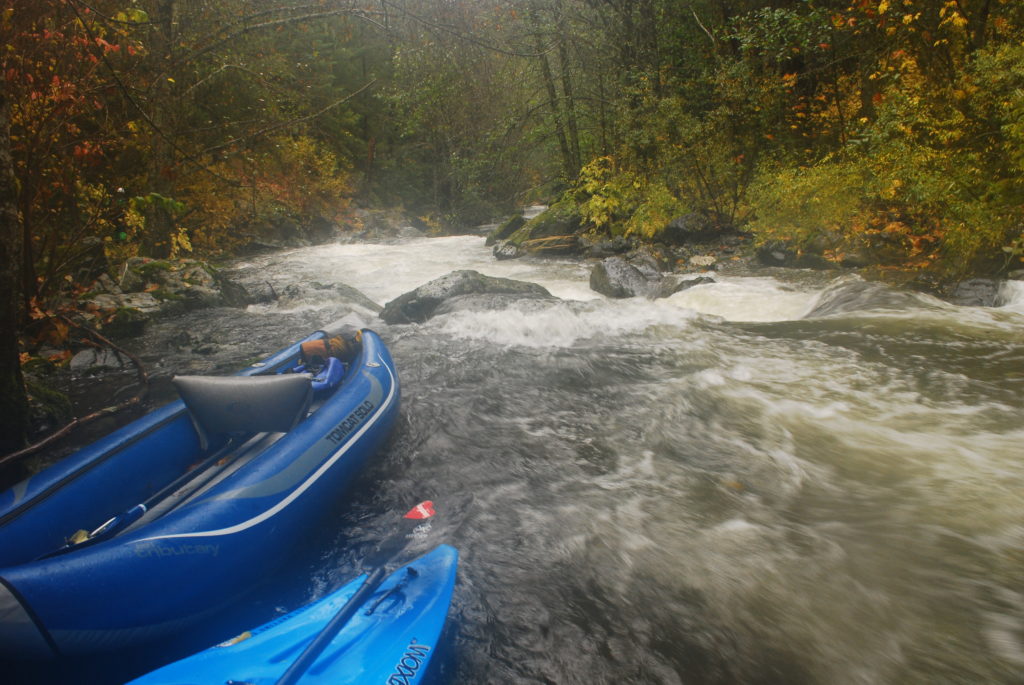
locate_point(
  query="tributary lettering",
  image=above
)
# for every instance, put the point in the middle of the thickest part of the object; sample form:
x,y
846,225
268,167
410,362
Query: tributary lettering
x,y
174,551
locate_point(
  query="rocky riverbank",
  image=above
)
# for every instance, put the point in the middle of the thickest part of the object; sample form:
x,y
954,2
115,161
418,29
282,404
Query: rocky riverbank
x,y
693,243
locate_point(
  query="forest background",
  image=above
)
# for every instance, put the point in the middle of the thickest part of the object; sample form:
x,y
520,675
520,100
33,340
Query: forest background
x,y
178,128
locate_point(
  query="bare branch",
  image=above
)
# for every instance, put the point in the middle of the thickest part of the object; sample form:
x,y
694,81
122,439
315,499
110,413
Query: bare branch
x,y
106,411
285,124
195,54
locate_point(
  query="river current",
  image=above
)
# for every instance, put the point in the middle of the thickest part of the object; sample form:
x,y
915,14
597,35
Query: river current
x,y
783,477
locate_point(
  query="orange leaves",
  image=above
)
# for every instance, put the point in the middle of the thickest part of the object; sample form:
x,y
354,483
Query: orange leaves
x,y
49,328
88,151
107,47
36,312
60,357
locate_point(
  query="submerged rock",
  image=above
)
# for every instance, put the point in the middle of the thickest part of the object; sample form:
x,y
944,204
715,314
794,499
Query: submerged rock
x,y
852,294
420,304
976,292
691,282
314,292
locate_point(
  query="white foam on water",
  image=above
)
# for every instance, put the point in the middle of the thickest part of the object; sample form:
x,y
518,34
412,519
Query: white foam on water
x,y
385,271
562,324
1011,294
746,299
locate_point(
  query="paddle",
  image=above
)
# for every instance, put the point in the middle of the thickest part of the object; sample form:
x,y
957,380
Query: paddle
x,y
386,553
119,522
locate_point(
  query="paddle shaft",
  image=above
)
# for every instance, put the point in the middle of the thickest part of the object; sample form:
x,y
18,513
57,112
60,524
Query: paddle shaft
x,y
315,648
386,553
120,521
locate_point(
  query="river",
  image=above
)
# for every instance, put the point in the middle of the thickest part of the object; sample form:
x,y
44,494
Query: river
x,y
783,477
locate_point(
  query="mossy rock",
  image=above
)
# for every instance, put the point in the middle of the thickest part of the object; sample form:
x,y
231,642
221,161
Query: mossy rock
x,y
156,271
504,230
560,219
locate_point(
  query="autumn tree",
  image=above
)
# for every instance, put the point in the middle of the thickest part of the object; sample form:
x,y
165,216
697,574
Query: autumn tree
x,y
13,403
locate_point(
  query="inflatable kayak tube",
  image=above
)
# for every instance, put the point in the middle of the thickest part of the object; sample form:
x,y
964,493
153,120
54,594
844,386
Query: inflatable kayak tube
x,y
175,515
390,641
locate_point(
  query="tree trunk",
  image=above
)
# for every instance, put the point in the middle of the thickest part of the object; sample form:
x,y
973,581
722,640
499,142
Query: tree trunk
x,y
553,100
979,25
13,403
572,128
156,238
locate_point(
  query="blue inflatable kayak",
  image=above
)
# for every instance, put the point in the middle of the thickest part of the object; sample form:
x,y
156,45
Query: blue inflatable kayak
x,y
389,640
184,510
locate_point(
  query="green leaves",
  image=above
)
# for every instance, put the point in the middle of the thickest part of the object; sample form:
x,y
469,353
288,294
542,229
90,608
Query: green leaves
x,y
132,15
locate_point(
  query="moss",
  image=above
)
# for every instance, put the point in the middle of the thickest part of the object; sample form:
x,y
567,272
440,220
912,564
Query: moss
x,y
561,218
505,229
126,321
166,295
149,268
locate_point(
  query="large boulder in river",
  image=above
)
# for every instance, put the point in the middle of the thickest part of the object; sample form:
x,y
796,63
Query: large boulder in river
x,y
420,304
615,277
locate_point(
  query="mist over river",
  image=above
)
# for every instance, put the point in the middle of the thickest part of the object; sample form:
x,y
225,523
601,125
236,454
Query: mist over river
x,y
783,477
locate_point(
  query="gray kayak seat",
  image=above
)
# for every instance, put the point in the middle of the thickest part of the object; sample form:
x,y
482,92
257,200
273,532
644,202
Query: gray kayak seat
x,y
222,405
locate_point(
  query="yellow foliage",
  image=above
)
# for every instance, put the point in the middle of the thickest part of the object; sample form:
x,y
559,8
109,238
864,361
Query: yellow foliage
x,y
180,242
288,177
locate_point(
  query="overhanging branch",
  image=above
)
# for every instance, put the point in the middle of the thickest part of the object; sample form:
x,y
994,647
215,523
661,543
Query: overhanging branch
x,y
284,124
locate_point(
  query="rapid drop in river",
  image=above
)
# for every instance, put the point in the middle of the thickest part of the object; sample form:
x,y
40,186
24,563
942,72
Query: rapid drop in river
x,y
782,477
